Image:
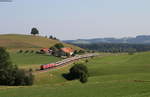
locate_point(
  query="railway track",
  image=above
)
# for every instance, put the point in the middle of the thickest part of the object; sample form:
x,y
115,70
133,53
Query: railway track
x,y
69,60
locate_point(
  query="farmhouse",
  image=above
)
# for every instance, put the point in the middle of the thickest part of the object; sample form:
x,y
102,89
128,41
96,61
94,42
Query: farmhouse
x,y
67,50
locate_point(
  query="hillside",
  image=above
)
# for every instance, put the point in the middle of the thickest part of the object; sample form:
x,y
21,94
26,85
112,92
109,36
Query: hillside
x,y
16,41
119,75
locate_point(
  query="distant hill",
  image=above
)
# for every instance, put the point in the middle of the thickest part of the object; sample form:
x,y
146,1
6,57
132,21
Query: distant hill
x,y
142,39
17,41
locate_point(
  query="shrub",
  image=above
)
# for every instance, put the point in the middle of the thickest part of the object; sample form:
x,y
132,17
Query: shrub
x,y
86,61
26,51
20,51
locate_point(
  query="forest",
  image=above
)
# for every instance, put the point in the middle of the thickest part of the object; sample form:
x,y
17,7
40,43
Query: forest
x,y
114,47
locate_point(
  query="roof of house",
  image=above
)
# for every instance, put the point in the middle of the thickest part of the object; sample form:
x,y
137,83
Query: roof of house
x,y
67,50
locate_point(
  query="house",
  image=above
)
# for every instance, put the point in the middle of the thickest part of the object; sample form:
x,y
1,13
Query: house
x,y
67,50
46,50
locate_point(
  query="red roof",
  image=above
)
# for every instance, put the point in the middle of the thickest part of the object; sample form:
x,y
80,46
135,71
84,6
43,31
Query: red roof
x,y
67,50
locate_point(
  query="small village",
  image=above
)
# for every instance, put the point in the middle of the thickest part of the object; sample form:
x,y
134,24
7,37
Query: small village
x,y
59,50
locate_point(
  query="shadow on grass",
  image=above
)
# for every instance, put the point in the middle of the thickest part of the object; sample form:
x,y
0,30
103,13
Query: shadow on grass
x,y
68,76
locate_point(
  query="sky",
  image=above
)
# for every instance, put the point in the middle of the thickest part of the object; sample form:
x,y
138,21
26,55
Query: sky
x,y
76,19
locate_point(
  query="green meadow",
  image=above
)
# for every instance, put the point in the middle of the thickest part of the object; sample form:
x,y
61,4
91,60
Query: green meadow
x,y
31,59
118,75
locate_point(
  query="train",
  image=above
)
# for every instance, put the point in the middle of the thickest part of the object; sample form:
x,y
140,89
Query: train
x,y
63,62
47,66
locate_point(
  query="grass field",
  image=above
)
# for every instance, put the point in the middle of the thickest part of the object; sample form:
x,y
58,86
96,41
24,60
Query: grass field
x,y
110,76
22,59
17,41
31,60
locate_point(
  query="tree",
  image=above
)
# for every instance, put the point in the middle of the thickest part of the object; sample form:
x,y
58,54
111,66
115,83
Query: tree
x,y
4,59
50,37
79,71
34,31
10,74
59,45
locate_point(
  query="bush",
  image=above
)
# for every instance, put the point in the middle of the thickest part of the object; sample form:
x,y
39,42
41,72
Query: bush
x,y
10,74
79,71
26,51
20,51
86,61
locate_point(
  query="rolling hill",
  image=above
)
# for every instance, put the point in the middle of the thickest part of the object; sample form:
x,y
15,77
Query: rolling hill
x,y
17,41
118,75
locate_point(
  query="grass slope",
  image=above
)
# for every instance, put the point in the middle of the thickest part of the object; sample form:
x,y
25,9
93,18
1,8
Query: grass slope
x,y
110,76
16,41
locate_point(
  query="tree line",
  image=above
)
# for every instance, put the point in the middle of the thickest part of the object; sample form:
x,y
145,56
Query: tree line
x,y
113,47
10,74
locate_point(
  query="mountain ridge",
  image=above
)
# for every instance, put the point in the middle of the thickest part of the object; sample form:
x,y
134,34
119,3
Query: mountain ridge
x,y
140,39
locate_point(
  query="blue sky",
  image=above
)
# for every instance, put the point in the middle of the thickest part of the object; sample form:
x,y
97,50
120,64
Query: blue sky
x,y
74,19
